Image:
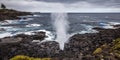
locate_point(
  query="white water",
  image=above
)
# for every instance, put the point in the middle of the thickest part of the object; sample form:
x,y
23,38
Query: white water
x,y
61,26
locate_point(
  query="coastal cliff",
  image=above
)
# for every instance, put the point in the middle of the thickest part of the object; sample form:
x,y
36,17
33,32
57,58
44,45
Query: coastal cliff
x,y
10,14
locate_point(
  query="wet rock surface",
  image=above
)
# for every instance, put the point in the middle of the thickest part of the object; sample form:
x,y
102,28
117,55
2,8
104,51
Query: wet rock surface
x,y
79,47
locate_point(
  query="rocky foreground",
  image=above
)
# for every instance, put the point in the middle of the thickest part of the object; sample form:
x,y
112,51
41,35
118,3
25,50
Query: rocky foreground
x,y
91,46
10,14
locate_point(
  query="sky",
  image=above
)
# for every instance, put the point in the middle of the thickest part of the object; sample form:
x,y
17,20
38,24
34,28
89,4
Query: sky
x,y
64,5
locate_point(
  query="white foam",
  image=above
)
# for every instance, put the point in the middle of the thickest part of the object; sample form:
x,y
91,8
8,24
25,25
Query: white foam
x,y
13,29
28,19
6,22
2,35
103,24
88,29
36,41
50,35
108,27
15,21
26,33
35,15
11,21
3,23
33,25
29,33
6,27
114,23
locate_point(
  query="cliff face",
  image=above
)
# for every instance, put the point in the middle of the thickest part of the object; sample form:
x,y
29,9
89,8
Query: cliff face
x,y
9,14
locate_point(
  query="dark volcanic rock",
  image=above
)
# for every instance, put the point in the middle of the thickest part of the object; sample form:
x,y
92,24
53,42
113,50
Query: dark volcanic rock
x,y
98,28
50,49
28,38
39,36
22,45
9,14
85,44
118,26
79,47
10,40
45,49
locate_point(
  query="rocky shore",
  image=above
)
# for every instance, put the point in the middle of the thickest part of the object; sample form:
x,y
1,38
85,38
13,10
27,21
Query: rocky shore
x,y
10,14
90,46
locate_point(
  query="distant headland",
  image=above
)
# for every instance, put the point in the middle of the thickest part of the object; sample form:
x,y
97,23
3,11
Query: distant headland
x,y
10,14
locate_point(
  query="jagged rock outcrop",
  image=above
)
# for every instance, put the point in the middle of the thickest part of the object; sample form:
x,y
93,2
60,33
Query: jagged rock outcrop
x,y
9,14
79,46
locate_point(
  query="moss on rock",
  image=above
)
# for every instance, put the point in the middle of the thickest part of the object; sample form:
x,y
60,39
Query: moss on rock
x,y
97,51
109,51
116,44
22,57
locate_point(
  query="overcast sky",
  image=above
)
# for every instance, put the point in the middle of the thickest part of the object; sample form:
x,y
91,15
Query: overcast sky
x,y
64,5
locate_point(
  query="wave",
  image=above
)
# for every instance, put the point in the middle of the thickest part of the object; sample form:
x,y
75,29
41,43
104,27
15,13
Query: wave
x,y
114,23
109,25
33,25
6,34
5,27
20,21
49,35
88,29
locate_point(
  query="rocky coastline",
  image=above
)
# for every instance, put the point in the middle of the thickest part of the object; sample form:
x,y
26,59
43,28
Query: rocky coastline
x,y
10,14
79,47
104,45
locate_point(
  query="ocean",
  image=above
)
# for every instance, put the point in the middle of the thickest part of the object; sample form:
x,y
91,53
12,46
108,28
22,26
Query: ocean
x,y
78,22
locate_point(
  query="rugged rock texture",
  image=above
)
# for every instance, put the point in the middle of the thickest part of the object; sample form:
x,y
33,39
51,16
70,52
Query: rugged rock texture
x,y
110,51
20,44
82,46
9,14
88,42
91,46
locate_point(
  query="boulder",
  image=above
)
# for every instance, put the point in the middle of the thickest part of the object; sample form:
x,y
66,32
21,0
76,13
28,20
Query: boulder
x,y
10,40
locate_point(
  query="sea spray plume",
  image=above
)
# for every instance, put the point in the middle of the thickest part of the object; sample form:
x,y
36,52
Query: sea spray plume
x,y
61,26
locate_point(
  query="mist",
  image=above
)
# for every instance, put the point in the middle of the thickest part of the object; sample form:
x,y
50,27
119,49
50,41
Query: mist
x,y
61,26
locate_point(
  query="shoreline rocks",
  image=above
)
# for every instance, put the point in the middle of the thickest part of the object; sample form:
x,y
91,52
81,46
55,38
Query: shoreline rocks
x,y
19,44
80,46
87,43
10,14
